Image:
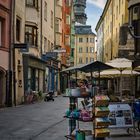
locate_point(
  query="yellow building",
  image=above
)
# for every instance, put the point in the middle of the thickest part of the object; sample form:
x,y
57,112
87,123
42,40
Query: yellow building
x,y
84,44
114,15
18,38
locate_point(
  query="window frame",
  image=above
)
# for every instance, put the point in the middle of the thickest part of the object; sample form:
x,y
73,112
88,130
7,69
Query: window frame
x,y
91,49
52,18
80,39
45,10
33,36
33,5
18,37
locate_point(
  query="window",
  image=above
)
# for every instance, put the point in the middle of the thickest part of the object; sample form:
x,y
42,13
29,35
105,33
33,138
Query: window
x,y
45,44
122,18
91,49
68,2
52,46
51,19
18,29
67,40
80,60
116,34
45,11
116,12
80,39
49,46
0,33
119,6
67,19
57,25
80,50
91,40
72,52
32,3
86,59
91,59
86,49
31,35
87,39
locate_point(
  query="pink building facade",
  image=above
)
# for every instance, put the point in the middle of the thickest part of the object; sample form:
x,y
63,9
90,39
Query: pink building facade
x,y
4,47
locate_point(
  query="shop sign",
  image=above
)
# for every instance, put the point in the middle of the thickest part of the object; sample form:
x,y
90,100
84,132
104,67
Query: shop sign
x,y
60,50
22,46
50,54
120,116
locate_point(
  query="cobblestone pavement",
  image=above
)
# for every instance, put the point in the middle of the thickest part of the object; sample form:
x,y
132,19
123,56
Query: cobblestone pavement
x,y
43,121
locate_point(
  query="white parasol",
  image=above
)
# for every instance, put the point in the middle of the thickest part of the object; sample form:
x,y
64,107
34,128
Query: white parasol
x,y
121,64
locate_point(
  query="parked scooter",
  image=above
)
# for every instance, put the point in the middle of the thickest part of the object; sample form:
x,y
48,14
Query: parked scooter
x,y
49,96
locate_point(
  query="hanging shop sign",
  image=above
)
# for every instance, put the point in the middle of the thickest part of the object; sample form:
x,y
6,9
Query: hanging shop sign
x,y
50,55
60,50
22,46
120,116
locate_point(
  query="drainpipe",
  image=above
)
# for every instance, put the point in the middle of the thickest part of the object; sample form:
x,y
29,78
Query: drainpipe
x,y
112,34
9,73
41,35
13,53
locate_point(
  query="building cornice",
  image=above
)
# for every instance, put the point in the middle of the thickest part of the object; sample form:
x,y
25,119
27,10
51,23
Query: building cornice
x,y
103,15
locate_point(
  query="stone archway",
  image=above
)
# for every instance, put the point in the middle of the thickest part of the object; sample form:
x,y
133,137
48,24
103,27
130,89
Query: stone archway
x,y
2,87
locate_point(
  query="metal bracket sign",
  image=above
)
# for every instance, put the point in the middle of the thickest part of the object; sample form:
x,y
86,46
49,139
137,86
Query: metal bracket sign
x,y
22,46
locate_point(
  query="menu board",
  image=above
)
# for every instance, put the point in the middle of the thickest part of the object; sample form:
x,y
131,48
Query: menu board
x,y
120,115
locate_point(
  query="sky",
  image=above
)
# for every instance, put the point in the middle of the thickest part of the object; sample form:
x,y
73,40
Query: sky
x,y
94,10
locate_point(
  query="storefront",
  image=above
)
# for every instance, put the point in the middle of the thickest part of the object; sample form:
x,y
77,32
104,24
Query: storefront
x,y
52,73
2,86
34,73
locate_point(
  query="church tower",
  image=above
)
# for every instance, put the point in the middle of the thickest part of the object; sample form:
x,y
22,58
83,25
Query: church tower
x,y
79,11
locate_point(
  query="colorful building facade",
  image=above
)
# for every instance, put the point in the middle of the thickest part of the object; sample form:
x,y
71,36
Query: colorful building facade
x,y
114,15
5,53
66,31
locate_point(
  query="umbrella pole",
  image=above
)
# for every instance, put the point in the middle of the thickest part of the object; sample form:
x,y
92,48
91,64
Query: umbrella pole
x,y
99,80
121,86
76,76
69,80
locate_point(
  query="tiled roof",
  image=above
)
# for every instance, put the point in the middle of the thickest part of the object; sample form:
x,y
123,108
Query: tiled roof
x,y
83,29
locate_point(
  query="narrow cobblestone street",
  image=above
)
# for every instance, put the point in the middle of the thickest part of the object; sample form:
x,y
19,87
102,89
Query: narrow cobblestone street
x,y
42,121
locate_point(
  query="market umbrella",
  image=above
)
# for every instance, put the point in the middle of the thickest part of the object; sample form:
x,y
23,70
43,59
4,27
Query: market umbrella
x,y
121,64
116,73
71,70
95,66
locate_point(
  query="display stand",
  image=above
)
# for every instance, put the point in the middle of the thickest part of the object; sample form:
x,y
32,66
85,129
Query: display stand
x,y
101,112
74,121
98,115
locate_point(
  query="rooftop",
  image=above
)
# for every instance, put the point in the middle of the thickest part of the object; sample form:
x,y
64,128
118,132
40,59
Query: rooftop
x,y
83,29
